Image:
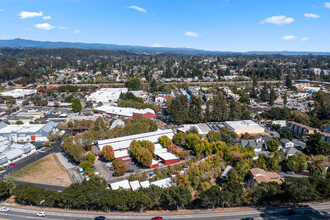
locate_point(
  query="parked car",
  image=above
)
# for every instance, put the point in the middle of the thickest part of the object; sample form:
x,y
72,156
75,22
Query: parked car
x,y
11,164
41,214
130,171
108,165
4,209
157,218
290,173
99,218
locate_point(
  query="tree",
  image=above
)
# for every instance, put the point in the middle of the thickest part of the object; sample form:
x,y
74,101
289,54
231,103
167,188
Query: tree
x,y
133,84
298,189
6,189
211,197
316,168
195,110
285,99
108,153
99,124
273,144
177,196
317,146
272,97
288,81
119,167
285,133
179,109
90,156
76,105
164,140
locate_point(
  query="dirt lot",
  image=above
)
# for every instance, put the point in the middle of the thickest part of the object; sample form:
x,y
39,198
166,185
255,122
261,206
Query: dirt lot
x,y
44,171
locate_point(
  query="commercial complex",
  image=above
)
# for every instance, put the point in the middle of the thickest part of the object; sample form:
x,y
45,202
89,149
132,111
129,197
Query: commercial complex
x,y
106,95
27,132
121,112
19,93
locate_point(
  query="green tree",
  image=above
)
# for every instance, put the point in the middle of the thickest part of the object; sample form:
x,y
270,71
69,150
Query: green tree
x,y
273,144
316,168
317,146
133,84
195,110
272,97
285,133
76,105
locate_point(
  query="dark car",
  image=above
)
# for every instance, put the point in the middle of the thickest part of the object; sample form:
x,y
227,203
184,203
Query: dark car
x,y
288,213
130,171
99,218
157,218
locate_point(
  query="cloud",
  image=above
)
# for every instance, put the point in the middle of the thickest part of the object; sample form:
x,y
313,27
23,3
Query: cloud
x,y
156,45
77,31
44,26
289,37
191,34
2,10
281,19
46,17
63,28
138,8
26,14
305,39
327,4
311,15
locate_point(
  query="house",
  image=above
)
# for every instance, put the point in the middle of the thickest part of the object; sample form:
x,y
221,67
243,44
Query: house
x,y
27,132
116,123
290,151
245,126
163,183
257,145
286,143
259,176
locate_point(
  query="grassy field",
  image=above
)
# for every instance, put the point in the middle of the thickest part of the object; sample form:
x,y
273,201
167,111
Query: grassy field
x,y
44,171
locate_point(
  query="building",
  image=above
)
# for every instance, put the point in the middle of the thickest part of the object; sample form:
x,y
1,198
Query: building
x,y
298,129
27,132
122,143
141,94
121,146
164,183
286,143
257,145
281,123
290,151
161,98
11,152
116,123
19,93
124,184
30,114
121,112
106,95
245,126
259,176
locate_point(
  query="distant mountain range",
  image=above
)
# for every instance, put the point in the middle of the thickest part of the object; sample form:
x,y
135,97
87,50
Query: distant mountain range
x,y
22,43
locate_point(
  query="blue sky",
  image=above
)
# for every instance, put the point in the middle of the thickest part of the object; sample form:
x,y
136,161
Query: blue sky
x,y
224,25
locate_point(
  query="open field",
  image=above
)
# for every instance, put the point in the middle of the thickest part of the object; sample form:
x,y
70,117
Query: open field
x,y
44,171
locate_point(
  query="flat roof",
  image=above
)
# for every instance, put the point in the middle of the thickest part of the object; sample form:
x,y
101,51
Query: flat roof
x,y
239,125
121,184
163,183
135,185
145,184
124,142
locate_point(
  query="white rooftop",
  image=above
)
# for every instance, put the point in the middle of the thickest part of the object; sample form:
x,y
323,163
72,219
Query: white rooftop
x,y
245,124
145,184
164,183
124,184
106,95
17,93
127,112
124,142
135,185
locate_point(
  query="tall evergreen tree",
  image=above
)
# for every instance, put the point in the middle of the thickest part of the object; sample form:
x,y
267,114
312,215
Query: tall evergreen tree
x,y
195,110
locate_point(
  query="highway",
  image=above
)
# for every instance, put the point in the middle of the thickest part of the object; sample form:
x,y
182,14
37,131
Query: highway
x,y
302,212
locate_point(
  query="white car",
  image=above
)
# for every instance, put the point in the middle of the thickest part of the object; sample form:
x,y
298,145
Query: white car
x,y
108,165
4,209
41,214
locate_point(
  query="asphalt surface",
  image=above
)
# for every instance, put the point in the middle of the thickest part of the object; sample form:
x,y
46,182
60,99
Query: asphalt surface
x,y
301,212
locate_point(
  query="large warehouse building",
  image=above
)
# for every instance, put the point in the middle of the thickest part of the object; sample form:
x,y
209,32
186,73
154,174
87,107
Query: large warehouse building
x,y
121,112
27,132
245,126
121,146
106,95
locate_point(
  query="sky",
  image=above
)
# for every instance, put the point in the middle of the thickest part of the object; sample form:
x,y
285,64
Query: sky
x,y
217,25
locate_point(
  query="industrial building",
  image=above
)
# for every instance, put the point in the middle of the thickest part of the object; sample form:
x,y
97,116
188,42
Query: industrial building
x,y
121,112
27,132
245,126
106,95
11,152
19,93
121,147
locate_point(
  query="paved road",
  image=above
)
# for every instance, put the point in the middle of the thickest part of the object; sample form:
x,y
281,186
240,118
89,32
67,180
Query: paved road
x,y
316,211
